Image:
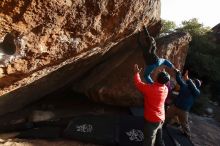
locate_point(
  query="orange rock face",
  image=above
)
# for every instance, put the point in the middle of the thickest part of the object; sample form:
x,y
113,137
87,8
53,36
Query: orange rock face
x,y
58,41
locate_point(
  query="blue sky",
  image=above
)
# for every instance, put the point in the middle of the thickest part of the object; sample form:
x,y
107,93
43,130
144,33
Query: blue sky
x,y
207,11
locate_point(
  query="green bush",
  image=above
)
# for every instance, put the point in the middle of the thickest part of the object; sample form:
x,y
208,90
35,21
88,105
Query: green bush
x,y
203,59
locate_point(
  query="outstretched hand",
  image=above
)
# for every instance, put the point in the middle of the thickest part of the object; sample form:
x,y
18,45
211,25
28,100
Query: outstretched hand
x,y
136,69
186,75
176,70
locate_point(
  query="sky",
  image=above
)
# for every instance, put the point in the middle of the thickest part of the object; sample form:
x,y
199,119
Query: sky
x,y
207,11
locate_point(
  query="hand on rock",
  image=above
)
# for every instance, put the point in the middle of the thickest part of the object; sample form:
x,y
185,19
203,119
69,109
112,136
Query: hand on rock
x,y
136,69
176,70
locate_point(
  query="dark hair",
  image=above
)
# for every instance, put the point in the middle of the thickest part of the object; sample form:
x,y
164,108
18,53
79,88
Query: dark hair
x,y
163,77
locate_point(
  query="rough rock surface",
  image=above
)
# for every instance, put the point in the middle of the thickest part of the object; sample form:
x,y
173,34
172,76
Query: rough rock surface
x,y
216,33
112,81
58,41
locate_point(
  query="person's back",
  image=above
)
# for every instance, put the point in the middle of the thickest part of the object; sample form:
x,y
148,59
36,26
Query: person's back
x,y
154,98
185,99
154,113
187,94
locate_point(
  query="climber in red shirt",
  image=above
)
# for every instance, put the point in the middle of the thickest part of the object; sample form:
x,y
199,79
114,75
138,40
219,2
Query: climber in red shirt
x,y
154,113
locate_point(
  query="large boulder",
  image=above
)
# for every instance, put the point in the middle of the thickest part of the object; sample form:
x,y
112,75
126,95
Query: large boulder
x,y
216,33
58,41
111,81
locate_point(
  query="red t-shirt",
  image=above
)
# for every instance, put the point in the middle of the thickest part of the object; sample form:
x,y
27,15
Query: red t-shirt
x,y
154,98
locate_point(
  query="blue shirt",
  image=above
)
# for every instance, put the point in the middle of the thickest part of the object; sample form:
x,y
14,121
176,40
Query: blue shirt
x,y
152,67
187,94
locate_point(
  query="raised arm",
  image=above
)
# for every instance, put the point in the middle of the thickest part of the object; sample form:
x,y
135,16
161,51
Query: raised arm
x,y
138,83
195,91
137,80
168,63
146,32
179,79
148,38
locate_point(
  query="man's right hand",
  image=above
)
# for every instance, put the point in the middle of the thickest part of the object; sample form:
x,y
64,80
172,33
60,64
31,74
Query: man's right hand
x,y
176,70
186,75
136,69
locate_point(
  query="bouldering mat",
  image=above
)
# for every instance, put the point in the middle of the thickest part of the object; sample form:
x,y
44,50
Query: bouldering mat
x,y
41,133
94,129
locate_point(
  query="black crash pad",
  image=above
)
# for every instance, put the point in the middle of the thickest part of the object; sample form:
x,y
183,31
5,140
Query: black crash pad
x,y
94,129
131,131
137,111
41,133
125,130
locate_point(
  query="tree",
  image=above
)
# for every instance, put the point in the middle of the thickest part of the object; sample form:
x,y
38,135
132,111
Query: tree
x,y
203,58
194,27
167,26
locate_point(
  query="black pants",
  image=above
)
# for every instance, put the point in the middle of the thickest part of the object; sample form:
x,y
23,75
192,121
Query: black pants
x,y
153,134
150,56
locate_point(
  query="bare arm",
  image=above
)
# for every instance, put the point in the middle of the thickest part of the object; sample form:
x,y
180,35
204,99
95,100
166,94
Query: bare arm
x,y
137,80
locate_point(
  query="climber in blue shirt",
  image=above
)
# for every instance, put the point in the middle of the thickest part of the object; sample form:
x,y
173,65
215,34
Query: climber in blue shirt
x,y
150,57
